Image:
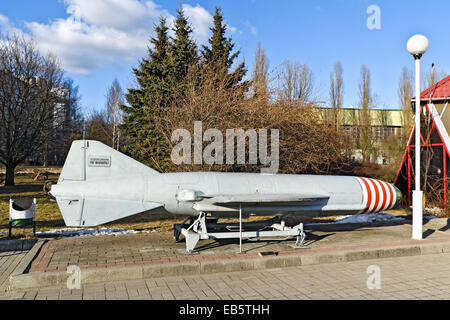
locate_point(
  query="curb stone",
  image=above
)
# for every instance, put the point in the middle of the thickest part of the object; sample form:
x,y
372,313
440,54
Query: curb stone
x,y
17,245
26,260
148,271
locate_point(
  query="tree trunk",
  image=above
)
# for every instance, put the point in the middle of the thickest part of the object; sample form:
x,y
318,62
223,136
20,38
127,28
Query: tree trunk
x,y
9,180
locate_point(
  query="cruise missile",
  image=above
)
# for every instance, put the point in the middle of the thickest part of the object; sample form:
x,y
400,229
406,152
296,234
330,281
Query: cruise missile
x,y
98,185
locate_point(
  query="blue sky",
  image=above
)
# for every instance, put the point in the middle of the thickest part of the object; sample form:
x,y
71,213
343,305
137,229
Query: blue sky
x,y
99,40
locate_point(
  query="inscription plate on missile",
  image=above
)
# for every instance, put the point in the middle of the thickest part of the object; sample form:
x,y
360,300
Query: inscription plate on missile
x,y
99,161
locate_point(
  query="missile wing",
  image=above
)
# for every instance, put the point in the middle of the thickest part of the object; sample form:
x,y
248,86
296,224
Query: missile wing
x,y
270,202
265,199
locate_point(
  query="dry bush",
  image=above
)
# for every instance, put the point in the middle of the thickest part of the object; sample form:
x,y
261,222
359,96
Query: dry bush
x,y
306,144
376,171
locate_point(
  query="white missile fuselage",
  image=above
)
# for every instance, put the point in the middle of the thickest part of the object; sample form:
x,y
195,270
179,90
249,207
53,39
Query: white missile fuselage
x,y
99,185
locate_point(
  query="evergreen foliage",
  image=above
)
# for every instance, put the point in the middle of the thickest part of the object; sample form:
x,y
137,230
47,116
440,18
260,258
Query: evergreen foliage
x,y
154,80
220,57
165,77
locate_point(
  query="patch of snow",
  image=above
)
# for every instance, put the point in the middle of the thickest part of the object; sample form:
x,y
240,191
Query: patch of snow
x,y
82,232
364,218
434,211
371,217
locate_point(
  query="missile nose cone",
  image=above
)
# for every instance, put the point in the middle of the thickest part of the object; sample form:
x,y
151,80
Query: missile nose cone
x,y
398,196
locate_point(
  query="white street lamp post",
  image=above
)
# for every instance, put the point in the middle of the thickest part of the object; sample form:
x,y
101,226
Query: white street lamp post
x,y
417,45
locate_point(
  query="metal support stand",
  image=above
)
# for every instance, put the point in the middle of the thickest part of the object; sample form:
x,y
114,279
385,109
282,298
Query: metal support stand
x,y
10,222
34,217
197,230
240,228
299,244
177,228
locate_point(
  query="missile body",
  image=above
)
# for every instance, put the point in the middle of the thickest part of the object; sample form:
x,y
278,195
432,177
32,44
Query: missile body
x,y
99,185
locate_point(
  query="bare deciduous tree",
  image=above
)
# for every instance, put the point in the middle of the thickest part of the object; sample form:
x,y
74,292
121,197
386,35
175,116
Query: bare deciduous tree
x,y
30,88
97,126
366,141
405,94
114,98
431,77
295,84
336,92
103,124
260,73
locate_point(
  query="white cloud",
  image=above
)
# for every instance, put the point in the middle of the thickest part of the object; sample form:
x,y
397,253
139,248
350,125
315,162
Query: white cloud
x,y
83,47
232,29
98,33
6,27
121,14
4,21
102,33
252,28
200,19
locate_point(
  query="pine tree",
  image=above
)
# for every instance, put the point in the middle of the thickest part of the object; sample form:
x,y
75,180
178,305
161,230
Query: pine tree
x,y
183,49
163,78
220,57
149,101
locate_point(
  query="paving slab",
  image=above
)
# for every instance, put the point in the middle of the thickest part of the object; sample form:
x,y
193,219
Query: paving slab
x,y
9,260
16,261
156,255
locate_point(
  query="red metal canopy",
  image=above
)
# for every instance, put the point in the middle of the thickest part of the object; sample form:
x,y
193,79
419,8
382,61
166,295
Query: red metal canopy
x,y
440,90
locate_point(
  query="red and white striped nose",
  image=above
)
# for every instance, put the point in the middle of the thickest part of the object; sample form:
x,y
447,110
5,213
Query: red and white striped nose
x,y
378,195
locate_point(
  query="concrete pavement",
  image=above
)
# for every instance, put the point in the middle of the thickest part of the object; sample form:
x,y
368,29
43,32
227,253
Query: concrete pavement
x,y
139,258
15,257
9,260
413,277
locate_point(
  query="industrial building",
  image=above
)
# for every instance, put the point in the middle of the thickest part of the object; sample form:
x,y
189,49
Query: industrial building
x,y
383,123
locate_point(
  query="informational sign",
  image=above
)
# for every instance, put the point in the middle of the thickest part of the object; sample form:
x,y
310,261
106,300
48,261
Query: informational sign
x,y
99,161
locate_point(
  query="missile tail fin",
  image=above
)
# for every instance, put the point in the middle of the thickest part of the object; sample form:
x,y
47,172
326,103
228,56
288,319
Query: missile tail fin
x,y
91,163
94,212
88,160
